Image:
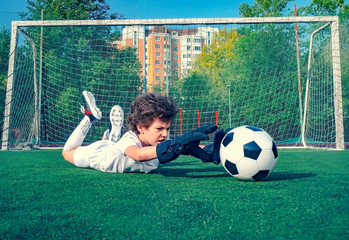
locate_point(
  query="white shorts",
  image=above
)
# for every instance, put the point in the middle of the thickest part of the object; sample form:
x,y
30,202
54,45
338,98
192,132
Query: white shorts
x,y
107,156
84,154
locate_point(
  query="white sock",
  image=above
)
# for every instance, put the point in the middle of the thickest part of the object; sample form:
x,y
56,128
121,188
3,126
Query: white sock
x,y
78,135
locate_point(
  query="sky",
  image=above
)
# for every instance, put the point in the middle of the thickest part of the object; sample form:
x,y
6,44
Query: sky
x,y
144,9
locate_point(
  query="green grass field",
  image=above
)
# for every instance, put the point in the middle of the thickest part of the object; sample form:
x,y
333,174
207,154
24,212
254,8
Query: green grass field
x,y
44,197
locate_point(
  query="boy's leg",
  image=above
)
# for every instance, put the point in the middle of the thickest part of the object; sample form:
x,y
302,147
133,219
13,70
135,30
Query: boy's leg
x,y
92,114
116,121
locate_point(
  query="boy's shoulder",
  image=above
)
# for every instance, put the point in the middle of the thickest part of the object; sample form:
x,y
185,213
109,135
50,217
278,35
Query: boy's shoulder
x,y
128,139
129,135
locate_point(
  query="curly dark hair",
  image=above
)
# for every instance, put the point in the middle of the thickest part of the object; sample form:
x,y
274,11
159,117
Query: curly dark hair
x,y
148,106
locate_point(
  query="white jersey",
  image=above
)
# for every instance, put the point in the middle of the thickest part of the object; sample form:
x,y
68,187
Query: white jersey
x,y
108,156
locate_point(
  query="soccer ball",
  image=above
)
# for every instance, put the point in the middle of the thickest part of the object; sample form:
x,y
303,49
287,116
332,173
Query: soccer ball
x,y
248,153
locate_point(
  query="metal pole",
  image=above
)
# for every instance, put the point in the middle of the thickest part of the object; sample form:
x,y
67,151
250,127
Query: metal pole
x,y
337,83
306,98
298,73
144,61
9,88
228,87
166,60
40,81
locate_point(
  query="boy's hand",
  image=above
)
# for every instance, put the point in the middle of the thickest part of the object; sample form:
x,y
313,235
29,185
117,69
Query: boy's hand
x,y
186,144
193,147
207,128
213,149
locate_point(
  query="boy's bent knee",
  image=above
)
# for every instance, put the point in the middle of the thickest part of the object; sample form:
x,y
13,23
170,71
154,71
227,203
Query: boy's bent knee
x,y
68,155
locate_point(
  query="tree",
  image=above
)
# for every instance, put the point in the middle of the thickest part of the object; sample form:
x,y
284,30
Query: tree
x,y
317,7
253,61
326,7
216,56
69,10
264,8
80,56
265,58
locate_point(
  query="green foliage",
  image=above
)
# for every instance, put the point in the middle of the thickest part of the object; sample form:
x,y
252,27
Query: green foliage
x,y
68,10
81,57
4,49
202,84
63,103
328,7
252,62
86,68
340,8
216,56
264,8
258,61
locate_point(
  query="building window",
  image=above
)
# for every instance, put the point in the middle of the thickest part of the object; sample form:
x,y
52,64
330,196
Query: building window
x,y
197,48
157,78
188,48
197,40
157,54
175,49
175,41
188,39
175,56
134,38
157,38
157,46
157,62
157,70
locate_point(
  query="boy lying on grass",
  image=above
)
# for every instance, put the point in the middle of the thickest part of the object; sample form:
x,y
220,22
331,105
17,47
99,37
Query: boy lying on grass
x,y
145,145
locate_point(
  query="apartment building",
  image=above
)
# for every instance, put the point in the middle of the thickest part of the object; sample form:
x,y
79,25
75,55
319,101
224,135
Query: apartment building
x,y
166,54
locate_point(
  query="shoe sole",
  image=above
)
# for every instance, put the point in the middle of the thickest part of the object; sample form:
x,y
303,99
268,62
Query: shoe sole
x,y
91,105
116,120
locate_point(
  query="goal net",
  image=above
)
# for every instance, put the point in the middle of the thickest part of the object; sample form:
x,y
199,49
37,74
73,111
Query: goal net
x,y
265,72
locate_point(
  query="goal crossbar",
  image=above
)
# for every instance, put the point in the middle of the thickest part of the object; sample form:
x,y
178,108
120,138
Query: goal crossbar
x,y
169,21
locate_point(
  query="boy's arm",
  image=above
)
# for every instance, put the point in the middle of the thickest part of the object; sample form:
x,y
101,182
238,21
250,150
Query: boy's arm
x,y
169,150
141,153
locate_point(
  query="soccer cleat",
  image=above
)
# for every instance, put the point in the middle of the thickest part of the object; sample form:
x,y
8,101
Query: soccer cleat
x,y
116,121
90,109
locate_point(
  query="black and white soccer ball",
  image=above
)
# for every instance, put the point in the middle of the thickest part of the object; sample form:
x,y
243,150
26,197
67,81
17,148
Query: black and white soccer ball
x,y
248,153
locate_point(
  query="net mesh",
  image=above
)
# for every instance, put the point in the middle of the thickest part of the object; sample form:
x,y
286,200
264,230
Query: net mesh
x,y
228,74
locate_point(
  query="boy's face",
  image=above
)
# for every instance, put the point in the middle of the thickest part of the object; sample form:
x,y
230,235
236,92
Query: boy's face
x,y
155,133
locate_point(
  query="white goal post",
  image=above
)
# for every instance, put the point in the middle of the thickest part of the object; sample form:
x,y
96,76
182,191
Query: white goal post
x,y
228,71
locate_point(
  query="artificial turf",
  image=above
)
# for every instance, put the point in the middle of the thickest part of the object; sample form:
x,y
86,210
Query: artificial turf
x,y
44,197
